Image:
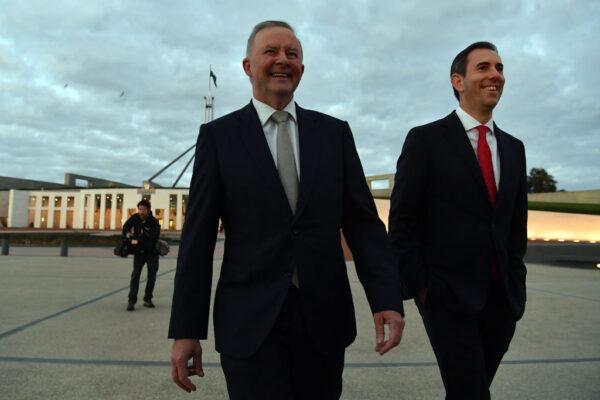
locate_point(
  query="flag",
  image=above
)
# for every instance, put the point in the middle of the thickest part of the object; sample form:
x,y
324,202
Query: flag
x,y
214,78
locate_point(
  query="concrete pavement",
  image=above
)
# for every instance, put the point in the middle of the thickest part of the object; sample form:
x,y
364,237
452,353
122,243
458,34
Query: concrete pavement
x,y
65,334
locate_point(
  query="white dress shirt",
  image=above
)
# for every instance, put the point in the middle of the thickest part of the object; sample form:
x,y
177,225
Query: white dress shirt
x,y
269,126
470,124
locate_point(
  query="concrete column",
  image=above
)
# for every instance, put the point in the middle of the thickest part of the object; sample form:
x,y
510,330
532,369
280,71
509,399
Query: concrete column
x,y
38,211
113,210
179,212
79,211
91,206
63,211
50,223
102,210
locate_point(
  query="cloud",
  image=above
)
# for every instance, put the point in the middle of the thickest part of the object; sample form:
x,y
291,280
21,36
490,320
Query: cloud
x,y
382,66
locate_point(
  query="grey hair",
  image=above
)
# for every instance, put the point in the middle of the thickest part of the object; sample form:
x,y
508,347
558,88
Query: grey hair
x,y
263,25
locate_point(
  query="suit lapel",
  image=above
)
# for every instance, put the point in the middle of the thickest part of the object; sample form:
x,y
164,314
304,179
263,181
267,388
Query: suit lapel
x,y
252,135
310,148
461,146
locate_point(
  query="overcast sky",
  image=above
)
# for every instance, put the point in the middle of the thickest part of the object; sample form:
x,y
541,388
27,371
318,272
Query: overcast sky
x,y
381,65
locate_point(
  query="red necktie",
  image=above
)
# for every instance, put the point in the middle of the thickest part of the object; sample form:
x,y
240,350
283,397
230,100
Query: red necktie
x,y
484,155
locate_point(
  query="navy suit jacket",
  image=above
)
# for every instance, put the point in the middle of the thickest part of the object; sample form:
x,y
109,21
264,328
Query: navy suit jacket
x,y
235,179
442,223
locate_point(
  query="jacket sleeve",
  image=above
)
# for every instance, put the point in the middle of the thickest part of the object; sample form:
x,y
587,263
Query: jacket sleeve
x,y
517,243
366,235
406,204
127,225
193,278
155,232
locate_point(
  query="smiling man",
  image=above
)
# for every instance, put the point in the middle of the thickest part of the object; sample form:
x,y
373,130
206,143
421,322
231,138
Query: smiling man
x,y
284,181
458,222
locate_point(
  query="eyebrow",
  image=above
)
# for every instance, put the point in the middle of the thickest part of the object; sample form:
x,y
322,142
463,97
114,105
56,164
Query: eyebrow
x,y
488,63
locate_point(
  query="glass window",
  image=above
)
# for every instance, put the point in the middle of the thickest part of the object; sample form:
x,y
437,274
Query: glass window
x,y
119,212
184,201
172,211
45,201
70,201
57,202
32,201
107,211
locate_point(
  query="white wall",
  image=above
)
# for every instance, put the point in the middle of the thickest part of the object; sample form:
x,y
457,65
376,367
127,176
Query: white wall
x,y
18,206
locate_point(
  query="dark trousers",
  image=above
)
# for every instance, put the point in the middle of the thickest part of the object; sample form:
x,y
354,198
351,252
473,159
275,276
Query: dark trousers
x,y
138,263
287,365
469,348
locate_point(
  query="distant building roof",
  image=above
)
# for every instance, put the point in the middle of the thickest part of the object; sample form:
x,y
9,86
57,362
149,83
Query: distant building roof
x,y
7,183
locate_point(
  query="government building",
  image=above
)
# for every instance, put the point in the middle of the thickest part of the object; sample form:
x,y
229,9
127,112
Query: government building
x,y
99,205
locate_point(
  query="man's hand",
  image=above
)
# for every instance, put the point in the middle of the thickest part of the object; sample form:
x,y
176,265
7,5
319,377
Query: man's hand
x,y
182,351
396,326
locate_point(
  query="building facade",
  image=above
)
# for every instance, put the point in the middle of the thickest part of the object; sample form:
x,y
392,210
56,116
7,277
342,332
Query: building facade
x,y
93,208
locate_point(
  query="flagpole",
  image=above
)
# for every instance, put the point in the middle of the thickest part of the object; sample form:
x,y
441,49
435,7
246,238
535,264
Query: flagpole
x,y
208,108
209,77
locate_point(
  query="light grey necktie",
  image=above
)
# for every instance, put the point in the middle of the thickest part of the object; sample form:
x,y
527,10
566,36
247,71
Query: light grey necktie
x,y
286,166
286,162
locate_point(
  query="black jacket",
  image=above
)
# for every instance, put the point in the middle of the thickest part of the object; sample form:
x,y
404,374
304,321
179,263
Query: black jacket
x,y
235,179
443,225
145,231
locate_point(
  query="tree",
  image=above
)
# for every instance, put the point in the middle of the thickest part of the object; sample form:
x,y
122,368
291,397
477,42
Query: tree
x,y
540,181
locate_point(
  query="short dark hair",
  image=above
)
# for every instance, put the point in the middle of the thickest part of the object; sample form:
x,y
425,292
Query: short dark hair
x,y
459,65
144,203
263,25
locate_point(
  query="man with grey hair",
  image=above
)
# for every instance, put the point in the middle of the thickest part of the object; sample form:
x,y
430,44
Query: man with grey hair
x,y
284,181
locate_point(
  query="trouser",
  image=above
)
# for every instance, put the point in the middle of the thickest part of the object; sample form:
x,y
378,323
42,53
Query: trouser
x,y
288,365
138,263
469,348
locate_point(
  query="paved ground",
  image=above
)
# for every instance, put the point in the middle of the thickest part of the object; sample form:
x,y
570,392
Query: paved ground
x,y
65,334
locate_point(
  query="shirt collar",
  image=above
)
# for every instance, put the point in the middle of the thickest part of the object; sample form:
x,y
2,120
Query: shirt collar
x,y
265,111
471,123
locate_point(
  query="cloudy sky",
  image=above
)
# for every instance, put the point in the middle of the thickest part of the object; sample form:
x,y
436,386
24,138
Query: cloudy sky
x,y
383,66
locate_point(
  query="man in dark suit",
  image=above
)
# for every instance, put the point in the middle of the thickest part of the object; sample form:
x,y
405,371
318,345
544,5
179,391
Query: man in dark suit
x,y
284,181
458,221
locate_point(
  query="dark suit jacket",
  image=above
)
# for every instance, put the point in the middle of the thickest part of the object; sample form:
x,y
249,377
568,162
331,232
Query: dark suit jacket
x,y
235,178
442,223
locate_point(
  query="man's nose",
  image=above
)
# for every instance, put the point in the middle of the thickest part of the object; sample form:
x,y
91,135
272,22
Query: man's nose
x,y
496,74
282,57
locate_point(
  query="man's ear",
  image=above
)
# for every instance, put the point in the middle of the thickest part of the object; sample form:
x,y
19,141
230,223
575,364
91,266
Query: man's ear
x,y
246,66
457,82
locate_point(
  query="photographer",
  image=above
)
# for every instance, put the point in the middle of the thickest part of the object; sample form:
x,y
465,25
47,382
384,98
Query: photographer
x,y
143,231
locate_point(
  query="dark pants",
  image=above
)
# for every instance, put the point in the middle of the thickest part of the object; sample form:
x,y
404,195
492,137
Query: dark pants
x,y
288,365
469,348
138,263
